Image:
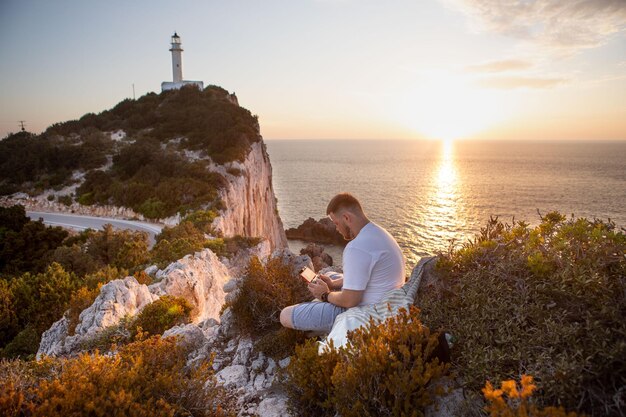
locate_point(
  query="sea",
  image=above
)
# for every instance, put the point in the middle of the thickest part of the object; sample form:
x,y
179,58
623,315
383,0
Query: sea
x,y
433,194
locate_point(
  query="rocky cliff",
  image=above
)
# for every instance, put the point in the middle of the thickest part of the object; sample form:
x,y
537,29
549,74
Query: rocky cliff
x,y
250,203
251,208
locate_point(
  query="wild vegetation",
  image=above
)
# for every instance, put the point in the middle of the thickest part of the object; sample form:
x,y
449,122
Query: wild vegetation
x,y
145,378
265,290
513,400
149,169
386,369
46,273
546,300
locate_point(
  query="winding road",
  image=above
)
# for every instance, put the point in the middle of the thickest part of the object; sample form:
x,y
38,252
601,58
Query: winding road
x,y
73,221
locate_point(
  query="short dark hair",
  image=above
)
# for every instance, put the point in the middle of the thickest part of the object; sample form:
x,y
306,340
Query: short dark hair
x,y
343,201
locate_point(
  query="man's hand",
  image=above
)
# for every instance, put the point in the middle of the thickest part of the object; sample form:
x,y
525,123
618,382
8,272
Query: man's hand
x,y
333,285
317,287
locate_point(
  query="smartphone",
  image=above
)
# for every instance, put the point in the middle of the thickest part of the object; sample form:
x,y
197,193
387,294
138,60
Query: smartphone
x,y
308,274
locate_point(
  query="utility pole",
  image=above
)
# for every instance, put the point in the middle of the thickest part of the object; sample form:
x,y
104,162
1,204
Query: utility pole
x,y
133,91
21,122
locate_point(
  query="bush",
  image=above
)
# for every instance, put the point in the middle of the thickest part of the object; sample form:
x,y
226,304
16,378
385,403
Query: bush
x,y
280,343
145,378
202,219
65,200
549,300
25,245
264,292
308,380
511,400
162,314
81,299
24,345
110,337
384,370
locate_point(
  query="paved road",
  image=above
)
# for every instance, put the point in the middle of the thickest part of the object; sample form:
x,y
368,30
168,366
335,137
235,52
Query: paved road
x,y
76,222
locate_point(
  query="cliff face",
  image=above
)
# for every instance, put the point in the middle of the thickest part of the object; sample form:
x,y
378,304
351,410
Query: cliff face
x,y
249,198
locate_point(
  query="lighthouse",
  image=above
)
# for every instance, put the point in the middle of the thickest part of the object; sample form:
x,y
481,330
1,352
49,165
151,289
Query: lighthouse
x,y
177,68
177,58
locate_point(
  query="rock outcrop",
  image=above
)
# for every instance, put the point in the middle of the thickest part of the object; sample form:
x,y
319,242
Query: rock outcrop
x,y
251,208
319,258
198,278
318,231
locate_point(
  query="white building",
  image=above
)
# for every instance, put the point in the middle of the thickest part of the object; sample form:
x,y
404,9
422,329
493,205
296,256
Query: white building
x,y
177,68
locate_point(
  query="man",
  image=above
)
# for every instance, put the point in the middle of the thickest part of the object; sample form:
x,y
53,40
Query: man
x,y
372,265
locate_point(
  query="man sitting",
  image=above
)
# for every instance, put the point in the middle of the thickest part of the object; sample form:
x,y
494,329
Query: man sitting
x,y
373,264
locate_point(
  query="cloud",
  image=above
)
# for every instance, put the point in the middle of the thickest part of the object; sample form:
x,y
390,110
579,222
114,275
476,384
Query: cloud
x,y
562,25
510,83
500,66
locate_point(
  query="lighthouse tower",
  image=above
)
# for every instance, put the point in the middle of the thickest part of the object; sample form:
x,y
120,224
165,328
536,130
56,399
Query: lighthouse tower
x,y
177,58
177,68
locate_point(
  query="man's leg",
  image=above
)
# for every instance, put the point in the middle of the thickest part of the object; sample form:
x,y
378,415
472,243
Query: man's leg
x,y
285,317
315,315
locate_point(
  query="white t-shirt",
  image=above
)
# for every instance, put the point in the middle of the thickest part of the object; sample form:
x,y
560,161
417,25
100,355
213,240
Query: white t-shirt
x,y
373,262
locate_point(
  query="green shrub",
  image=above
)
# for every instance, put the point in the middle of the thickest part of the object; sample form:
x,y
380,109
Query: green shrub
x,y
25,245
65,200
202,219
386,369
308,380
112,336
264,292
24,345
280,343
162,314
548,300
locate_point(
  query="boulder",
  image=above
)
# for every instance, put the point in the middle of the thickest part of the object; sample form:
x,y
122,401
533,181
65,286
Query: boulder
x,y
273,406
233,376
319,258
190,335
319,231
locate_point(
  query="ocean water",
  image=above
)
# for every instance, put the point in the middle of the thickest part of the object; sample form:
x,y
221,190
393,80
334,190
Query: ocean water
x,y
428,193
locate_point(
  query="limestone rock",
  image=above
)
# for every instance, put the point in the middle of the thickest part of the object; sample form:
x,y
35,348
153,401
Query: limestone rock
x,y
244,349
274,406
117,299
190,335
233,376
249,199
319,258
53,340
200,280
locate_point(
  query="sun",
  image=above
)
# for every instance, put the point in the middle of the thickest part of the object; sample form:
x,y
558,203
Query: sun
x,y
447,106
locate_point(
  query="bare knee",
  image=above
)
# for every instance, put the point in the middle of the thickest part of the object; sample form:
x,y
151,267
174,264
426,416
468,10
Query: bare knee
x,y
285,317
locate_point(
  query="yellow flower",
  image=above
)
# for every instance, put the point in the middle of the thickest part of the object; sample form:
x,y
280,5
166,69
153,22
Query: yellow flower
x,y
510,388
527,386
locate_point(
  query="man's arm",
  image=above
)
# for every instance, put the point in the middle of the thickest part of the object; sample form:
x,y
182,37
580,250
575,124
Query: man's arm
x,y
343,298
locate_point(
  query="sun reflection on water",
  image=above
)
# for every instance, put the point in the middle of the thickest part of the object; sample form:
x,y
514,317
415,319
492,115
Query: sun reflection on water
x,y
440,214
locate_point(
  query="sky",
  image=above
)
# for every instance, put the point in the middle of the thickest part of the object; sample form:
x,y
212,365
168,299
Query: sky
x,y
332,69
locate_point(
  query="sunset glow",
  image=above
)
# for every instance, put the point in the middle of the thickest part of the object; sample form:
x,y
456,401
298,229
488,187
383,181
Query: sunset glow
x,y
433,69
446,106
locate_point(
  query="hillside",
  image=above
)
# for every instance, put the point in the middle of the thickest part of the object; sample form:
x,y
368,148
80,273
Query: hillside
x,y
150,155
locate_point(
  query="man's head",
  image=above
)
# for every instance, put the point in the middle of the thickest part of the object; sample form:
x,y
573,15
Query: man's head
x,y
346,213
